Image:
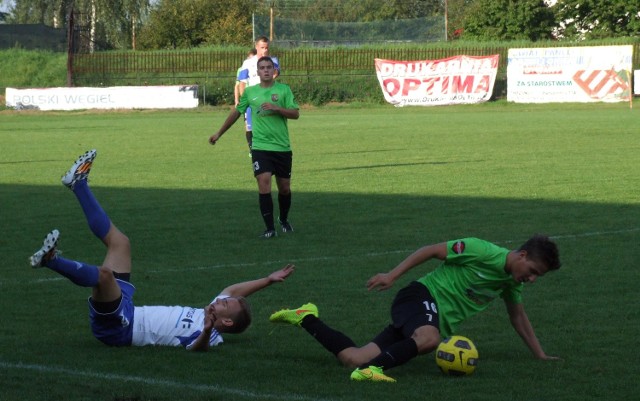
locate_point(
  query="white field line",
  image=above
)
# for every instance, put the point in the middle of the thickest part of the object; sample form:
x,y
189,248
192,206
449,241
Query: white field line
x,y
183,269
213,388
385,253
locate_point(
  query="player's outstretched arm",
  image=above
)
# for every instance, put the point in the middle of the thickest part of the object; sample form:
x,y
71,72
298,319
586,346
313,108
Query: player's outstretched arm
x,y
247,288
522,325
383,281
231,119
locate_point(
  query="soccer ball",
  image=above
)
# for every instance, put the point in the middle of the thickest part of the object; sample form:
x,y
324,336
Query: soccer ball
x,y
457,356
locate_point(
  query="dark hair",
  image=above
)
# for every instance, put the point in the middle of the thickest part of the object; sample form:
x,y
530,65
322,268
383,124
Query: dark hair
x,y
242,319
266,58
541,249
253,51
262,39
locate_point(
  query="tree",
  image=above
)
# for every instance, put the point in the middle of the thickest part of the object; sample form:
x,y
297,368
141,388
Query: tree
x,y
593,19
47,12
456,10
111,23
509,20
191,23
353,10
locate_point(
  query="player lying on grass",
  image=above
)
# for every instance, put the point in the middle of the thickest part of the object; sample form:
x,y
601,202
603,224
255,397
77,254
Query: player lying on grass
x,y
114,319
473,273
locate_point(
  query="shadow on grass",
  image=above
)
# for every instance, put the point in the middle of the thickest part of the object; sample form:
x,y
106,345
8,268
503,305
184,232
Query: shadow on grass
x,y
227,223
189,244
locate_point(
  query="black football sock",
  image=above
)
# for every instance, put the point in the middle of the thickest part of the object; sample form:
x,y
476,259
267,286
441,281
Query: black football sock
x,y
332,340
394,355
284,203
266,208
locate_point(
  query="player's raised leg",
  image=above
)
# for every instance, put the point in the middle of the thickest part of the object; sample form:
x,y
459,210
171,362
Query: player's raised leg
x,y
76,179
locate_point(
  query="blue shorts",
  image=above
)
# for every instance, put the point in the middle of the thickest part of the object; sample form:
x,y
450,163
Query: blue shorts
x,y
247,119
115,328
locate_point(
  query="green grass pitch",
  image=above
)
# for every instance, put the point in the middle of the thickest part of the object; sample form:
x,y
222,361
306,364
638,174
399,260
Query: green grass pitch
x,y
370,185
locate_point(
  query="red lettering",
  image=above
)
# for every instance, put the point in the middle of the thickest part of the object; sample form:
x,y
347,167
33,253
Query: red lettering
x,y
410,85
391,86
459,86
483,85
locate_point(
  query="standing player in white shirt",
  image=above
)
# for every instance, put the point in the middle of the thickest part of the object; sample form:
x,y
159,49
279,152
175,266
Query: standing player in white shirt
x,y
114,318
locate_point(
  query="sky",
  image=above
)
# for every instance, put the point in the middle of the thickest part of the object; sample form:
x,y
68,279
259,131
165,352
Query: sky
x,y
5,4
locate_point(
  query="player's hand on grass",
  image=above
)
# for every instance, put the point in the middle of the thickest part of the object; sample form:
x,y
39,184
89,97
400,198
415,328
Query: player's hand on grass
x,y
279,275
381,281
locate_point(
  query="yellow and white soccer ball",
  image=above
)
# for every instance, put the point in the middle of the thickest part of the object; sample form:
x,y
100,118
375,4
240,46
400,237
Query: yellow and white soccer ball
x,y
457,356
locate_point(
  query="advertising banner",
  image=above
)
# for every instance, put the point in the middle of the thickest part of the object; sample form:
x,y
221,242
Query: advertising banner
x,y
569,74
117,97
454,80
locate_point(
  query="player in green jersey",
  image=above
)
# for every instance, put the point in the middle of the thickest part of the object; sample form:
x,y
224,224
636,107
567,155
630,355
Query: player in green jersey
x,y
473,273
272,105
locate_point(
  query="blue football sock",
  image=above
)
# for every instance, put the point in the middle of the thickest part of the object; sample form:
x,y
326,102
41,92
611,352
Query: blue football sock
x,y
97,218
81,274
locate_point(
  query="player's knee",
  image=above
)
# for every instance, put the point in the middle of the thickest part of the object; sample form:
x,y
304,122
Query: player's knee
x,y
426,338
121,242
105,274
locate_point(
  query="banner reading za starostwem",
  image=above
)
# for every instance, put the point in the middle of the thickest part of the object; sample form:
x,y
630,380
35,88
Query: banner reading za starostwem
x,y
454,80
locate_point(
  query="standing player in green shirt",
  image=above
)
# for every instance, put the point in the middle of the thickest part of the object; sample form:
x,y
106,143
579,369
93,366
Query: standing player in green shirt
x,y
272,104
473,273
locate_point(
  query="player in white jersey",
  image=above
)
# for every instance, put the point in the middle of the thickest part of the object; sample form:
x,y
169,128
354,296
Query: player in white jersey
x,y
248,76
114,318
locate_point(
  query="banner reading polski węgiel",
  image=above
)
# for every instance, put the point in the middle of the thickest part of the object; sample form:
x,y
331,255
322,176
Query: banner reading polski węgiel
x,y
116,97
569,74
454,80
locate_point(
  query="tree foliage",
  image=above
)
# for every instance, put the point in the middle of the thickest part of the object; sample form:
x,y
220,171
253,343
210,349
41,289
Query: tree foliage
x,y
509,20
191,23
596,19
120,24
353,10
111,23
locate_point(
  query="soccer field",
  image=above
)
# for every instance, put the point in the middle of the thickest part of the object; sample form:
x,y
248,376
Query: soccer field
x,y
370,185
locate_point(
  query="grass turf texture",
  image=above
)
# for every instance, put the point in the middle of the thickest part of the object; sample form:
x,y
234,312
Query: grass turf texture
x,y
370,186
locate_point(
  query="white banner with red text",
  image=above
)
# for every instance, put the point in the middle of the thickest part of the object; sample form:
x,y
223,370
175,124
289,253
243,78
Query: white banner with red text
x,y
454,80
570,74
116,97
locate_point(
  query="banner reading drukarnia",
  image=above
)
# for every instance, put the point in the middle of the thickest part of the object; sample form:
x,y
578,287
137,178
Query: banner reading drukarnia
x,y
454,80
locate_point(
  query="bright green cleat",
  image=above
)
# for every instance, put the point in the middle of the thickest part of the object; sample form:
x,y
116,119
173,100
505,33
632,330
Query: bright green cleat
x,y
294,316
372,373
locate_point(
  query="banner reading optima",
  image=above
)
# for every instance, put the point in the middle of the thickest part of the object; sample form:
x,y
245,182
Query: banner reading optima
x,y
454,80
569,74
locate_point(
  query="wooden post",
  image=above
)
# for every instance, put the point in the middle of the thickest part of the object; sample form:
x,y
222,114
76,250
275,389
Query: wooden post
x,y
70,48
271,23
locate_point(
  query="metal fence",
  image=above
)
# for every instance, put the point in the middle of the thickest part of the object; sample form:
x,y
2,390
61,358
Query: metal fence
x,y
308,68
225,63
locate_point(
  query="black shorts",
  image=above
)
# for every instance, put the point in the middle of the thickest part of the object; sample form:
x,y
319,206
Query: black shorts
x,y
412,307
276,163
